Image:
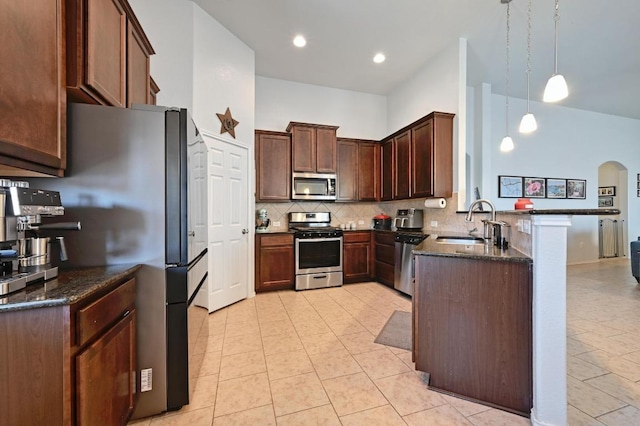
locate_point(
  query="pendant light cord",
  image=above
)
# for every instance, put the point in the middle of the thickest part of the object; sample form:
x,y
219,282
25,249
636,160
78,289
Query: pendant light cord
x,y
528,52
507,73
556,18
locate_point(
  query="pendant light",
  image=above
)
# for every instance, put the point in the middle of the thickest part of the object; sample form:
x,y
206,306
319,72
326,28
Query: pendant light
x,y
507,143
556,88
528,123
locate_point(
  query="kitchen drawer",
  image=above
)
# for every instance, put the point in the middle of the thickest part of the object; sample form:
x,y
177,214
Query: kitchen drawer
x,y
387,238
386,254
385,273
276,240
103,312
356,237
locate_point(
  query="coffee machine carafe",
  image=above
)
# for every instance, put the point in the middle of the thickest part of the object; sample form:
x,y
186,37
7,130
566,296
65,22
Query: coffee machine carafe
x,y
24,251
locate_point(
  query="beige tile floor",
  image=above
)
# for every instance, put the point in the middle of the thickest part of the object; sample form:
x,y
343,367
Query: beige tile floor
x,y
308,358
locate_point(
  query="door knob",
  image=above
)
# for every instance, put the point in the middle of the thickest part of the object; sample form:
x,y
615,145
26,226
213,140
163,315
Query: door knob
x,y
245,231
191,233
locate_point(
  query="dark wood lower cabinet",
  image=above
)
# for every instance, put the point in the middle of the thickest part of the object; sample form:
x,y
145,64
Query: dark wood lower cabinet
x,y
385,256
357,256
274,264
472,329
70,364
105,375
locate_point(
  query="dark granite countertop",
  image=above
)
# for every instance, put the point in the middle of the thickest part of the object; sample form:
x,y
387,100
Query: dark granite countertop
x,y
429,247
574,212
70,286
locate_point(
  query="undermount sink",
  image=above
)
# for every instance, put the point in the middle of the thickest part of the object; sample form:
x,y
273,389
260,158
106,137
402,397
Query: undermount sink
x,y
459,240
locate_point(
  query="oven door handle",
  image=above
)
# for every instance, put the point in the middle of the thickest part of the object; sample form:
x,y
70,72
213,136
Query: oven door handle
x,y
316,240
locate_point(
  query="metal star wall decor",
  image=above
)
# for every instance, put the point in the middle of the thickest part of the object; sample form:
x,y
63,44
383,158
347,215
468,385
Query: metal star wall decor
x,y
228,123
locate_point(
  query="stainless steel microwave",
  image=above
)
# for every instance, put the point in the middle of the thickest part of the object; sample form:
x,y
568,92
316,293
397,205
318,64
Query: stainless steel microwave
x,y
314,186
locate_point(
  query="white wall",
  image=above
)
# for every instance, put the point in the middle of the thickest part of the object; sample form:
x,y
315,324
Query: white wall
x,y
358,115
434,88
168,25
569,143
224,77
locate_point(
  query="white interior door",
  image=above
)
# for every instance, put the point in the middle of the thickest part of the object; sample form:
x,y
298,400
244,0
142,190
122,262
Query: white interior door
x,y
197,218
229,257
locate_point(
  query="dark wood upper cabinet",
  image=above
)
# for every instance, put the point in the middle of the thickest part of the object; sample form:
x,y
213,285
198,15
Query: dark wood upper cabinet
x,y
314,147
107,53
273,166
138,73
368,171
32,78
387,174
358,170
402,154
347,170
432,157
417,161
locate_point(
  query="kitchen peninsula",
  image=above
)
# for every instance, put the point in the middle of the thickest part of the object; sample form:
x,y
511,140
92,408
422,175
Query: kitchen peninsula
x,y
543,290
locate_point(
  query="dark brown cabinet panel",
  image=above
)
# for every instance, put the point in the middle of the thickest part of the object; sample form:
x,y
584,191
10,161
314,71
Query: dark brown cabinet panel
x,y
387,174
313,147
138,74
421,160
105,376
326,150
432,157
385,256
402,154
368,171
274,262
358,170
107,53
472,322
32,80
357,256
273,166
347,170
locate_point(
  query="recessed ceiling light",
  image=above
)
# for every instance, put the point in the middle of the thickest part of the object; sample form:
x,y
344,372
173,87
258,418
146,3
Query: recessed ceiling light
x,y
379,58
299,41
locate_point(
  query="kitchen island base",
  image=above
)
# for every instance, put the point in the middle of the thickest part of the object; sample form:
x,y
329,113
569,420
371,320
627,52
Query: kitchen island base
x,y
472,329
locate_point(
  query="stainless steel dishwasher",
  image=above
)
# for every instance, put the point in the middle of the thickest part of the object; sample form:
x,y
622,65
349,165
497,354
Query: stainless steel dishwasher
x,y
404,275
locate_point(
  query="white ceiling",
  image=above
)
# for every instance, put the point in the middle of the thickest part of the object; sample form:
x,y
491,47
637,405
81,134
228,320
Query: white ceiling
x,y
598,47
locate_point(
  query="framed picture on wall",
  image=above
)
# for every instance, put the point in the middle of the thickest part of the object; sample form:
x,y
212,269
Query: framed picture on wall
x,y
605,201
556,188
607,190
576,188
534,187
509,186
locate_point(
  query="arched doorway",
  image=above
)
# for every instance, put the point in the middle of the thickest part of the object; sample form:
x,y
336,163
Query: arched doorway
x,y
613,192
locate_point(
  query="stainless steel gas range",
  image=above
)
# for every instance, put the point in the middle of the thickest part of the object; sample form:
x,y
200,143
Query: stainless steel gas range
x,y
318,250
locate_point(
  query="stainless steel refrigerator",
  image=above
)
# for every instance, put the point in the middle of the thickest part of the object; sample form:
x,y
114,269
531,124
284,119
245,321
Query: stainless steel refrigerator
x,y
133,183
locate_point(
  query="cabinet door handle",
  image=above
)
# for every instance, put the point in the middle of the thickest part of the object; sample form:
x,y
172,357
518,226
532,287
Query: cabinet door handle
x,y
126,313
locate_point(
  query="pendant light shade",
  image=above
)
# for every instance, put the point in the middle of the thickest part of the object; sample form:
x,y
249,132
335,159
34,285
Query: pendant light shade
x,y
507,144
556,88
528,123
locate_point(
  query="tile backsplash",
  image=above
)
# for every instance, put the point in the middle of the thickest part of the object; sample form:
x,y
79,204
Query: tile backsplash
x,y
343,213
435,220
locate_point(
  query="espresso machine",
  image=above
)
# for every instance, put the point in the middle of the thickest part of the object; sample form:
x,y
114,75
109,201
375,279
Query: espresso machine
x,y
25,254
